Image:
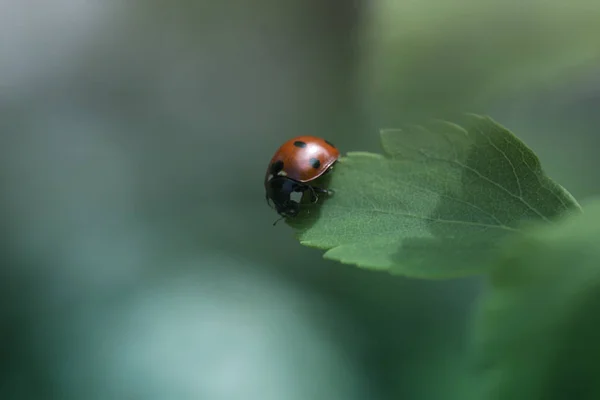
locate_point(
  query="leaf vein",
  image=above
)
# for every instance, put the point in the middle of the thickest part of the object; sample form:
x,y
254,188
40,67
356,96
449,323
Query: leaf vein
x,y
485,178
422,217
514,170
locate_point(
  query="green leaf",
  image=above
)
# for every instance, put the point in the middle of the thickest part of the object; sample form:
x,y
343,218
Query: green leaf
x,y
538,333
437,204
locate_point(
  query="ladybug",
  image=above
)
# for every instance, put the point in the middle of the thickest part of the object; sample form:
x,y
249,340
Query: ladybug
x,y
297,163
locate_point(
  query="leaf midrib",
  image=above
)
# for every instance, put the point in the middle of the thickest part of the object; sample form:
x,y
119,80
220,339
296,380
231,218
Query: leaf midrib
x,y
422,217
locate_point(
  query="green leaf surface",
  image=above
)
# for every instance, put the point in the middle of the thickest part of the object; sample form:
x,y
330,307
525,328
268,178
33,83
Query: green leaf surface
x,y
538,331
436,204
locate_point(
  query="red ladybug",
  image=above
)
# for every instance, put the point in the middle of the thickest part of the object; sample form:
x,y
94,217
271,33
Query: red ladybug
x,y
298,162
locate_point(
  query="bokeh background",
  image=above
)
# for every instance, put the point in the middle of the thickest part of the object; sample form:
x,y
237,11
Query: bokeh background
x,y
138,259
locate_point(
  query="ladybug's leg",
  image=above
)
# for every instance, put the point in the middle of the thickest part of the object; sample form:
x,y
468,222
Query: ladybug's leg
x,y
314,190
268,200
314,198
321,190
303,188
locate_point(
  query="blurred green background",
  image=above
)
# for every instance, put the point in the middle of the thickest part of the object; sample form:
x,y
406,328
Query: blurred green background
x,y
138,256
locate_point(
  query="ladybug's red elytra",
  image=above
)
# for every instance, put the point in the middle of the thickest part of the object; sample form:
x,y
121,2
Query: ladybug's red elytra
x,y
295,164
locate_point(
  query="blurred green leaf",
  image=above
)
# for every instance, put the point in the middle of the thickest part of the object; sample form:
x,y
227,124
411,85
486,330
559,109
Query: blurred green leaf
x,y
437,204
539,325
439,56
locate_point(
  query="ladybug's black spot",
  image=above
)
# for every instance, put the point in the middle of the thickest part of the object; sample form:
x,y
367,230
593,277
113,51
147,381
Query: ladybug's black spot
x,y
276,167
300,144
329,143
315,163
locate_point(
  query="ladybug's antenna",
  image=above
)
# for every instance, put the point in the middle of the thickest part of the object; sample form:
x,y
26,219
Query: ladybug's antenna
x,y
275,223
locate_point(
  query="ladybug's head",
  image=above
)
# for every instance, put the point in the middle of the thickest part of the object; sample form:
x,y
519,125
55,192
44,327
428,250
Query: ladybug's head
x,y
289,208
279,190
